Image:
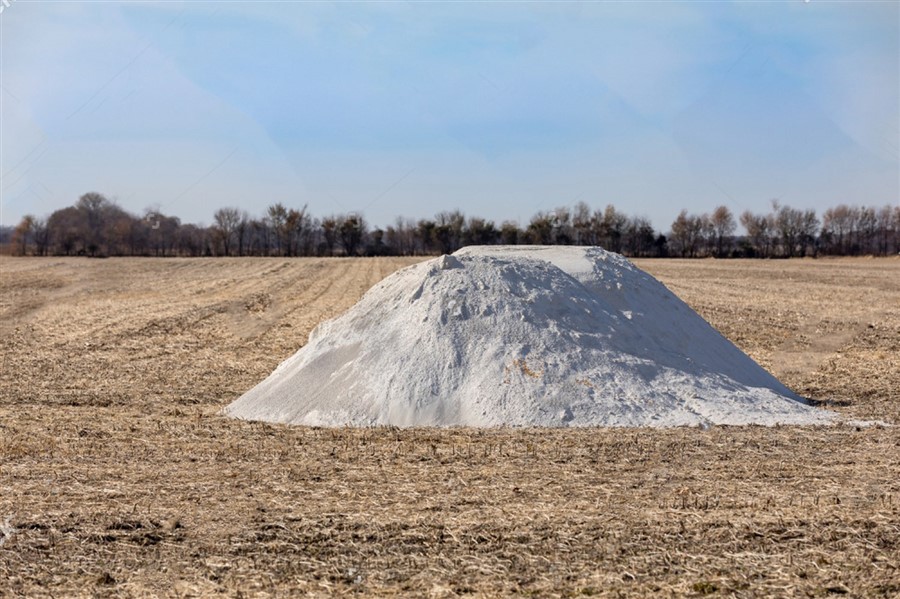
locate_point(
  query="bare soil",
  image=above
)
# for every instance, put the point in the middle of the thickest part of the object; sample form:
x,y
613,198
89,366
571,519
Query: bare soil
x,y
119,476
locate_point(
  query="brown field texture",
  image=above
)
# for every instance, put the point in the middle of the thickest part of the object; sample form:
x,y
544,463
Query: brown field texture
x,y
119,476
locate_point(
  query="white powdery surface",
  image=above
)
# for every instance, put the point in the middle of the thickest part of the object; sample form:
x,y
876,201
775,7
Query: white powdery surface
x,y
522,336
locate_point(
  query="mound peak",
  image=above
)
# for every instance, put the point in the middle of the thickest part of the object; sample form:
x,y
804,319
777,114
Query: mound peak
x,y
521,336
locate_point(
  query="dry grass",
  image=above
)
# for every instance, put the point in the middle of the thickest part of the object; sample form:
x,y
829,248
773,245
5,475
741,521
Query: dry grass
x,y
119,477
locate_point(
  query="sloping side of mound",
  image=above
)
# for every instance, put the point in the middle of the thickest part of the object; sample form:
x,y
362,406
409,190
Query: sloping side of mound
x,y
512,336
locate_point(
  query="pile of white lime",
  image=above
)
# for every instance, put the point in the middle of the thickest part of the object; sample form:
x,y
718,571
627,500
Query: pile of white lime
x,y
522,336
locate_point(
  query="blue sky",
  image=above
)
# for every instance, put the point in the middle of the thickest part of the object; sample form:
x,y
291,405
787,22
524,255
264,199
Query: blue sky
x,y
498,109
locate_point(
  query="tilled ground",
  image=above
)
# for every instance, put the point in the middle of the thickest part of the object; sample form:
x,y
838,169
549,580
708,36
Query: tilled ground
x,y
829,329
119,477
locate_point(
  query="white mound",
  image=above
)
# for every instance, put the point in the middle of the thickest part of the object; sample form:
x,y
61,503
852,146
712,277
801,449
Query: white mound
x,y
521,336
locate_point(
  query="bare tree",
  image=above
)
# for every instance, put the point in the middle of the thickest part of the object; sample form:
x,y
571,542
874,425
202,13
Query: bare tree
x,y
117,230
276,215
401,236
68,230
867,227
759,230
540,229
448,231
22,234
41,235
426,235
330,226
610,225
687,232
191,240
95,225
895,228
583,225
242,232
93,206
723,227
839,226
509,233
352,229
851,230
563,232
480,232
796,229
809,232
158,232
296,225
226,224
639,237
886,230
139,238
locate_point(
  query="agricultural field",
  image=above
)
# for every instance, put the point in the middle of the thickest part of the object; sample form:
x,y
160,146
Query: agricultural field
x,y
120,477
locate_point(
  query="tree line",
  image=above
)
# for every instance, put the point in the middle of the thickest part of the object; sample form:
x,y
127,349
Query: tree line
x,y
97,226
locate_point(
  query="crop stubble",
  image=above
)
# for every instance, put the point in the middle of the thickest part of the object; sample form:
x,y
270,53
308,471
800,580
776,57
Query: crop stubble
x,y
118,476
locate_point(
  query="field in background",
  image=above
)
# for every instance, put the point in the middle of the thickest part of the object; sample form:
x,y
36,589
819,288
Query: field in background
x,y
119,477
